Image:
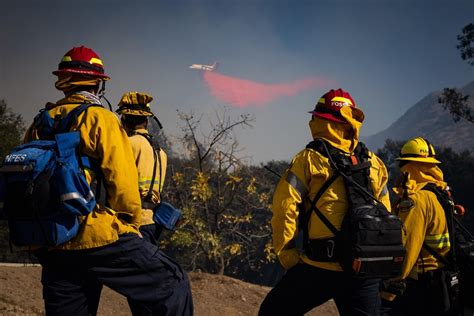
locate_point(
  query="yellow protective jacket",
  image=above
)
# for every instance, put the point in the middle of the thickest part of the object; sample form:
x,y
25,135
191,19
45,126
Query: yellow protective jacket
x,y
144,160
424,219
103,139
303,179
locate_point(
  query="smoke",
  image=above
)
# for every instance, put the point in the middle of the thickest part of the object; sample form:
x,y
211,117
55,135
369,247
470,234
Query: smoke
x,y
243,93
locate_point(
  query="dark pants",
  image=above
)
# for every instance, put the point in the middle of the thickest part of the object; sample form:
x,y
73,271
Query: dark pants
x,y
133,267
304,287
427,296
151,233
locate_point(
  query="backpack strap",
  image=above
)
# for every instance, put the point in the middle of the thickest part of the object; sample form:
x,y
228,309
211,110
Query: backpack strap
x,y
65,124
146,201
358,162
43,123
320,249
448,205
317,145
47,127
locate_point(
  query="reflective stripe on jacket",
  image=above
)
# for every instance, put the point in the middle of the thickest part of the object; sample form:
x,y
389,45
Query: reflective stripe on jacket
x,y
103,139
144,160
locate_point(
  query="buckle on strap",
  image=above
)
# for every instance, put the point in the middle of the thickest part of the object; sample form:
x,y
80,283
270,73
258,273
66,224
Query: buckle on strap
x,y
322,250
330,248
147,204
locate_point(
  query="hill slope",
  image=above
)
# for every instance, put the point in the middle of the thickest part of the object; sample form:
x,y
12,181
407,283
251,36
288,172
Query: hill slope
x,y
213,295
428,119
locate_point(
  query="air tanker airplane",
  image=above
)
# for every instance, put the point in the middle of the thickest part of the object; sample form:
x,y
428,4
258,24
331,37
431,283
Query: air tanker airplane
x,y
204,67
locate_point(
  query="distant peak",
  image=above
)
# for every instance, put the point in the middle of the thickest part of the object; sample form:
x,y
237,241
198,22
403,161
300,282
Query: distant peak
x,y
469,86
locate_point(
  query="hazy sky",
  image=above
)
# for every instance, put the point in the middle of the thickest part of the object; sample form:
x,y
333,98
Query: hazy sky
x,y
387,53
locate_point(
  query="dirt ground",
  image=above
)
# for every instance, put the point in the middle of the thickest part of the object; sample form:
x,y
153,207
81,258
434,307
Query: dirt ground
x,y
213,295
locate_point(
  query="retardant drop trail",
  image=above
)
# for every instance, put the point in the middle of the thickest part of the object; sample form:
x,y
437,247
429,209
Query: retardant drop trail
x,y
243,93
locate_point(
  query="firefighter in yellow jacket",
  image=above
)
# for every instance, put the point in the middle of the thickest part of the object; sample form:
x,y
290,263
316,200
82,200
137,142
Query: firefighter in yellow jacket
x,y
425,226
309,283
107,250
135,111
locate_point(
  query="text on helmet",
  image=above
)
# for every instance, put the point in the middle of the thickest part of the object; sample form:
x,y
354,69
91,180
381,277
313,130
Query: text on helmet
x,y
339,104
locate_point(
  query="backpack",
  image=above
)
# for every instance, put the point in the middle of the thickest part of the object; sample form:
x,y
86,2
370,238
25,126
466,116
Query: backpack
x,y
459,262
369,244
43,189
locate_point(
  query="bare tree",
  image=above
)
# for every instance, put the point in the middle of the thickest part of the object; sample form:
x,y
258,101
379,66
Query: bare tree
x,y
226,208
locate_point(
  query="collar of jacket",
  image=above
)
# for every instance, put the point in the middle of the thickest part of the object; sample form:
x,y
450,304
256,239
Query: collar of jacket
x,y
140,131
419,174
344,136
76,98
70,99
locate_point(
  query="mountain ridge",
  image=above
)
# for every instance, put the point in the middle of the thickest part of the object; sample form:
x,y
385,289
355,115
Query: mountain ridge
x,y
428,119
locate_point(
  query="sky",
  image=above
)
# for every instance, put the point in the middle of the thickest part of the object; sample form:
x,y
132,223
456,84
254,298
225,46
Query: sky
x,y
388,54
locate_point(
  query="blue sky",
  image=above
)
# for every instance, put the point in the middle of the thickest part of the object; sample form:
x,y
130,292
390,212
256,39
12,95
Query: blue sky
x,y
387,53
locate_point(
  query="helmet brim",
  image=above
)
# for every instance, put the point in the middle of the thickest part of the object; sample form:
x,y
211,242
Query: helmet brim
x,y
134,113
419,159
83,72
328,116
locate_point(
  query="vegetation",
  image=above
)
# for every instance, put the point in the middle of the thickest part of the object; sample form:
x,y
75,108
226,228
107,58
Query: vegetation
x,y
226,203
11,132
455,102
465,46
11,128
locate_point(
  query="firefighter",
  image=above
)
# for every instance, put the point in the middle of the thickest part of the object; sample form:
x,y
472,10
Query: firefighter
x,y
421,287
309,282
135,111
108,249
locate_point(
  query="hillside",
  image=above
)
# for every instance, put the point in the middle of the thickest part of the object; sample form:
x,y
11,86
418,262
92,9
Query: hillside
x,y
20,294
427,118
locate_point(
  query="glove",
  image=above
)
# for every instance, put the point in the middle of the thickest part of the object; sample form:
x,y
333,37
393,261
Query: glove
x,y
396,287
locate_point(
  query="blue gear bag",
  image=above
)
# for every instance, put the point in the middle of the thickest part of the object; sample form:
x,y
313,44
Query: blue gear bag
x,y
43,189
166,215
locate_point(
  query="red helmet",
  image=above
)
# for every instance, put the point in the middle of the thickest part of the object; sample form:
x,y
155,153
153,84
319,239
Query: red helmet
x,y
82,60
330,104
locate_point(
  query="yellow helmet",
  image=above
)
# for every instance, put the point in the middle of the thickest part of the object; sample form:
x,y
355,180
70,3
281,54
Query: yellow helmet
x,y
418,149
135,103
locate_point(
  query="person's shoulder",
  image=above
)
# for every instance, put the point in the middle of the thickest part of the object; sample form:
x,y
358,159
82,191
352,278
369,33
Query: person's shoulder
x,y
424,199
309,158
427,195
138,139
308,153
100,113
375,159
98,109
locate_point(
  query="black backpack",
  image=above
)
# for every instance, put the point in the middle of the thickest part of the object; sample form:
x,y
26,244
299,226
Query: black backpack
x,y
369,244
459,262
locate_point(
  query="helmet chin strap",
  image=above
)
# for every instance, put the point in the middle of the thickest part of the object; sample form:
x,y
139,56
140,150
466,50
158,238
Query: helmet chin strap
x,y
158,122
101,94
